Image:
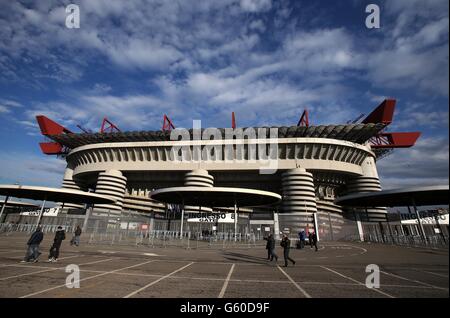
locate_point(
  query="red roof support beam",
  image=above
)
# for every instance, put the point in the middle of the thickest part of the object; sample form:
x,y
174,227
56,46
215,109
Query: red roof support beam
x,y
109,128
384,113
304,120
49,127
167,124
233,121
51,148
394,140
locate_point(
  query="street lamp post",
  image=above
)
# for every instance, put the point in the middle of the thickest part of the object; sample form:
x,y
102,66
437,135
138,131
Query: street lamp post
x,y
41,212
422,231
4,207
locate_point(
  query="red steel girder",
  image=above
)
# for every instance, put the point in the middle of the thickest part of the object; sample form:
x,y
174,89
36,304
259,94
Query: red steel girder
x,y
51,148
167,124
304,120
384,113
49,127
394,140
109,128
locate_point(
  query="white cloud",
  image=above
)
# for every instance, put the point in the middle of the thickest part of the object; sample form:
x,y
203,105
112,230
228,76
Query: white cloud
x,y
414,51
6,105
142,54
4,109
88,108
257,25
256,5
424,164
29,169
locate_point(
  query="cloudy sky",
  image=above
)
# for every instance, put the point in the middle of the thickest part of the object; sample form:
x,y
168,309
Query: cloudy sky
x,y
133,61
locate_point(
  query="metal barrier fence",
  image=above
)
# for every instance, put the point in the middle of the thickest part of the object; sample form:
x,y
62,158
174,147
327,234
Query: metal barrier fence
x,y
128,230
164,239
7,228
436,241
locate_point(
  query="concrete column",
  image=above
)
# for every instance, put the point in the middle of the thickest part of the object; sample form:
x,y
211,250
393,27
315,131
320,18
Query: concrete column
x,y
359,226
368,182
111,183
276,226
69,183
299,201
198,178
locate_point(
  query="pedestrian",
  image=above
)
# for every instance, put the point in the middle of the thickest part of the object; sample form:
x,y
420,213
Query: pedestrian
x,y
76,238
302,238
33,253
268,246
286,244
313,240
272,248
60,235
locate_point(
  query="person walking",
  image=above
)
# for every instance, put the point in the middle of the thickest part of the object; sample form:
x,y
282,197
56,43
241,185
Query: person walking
x,y
268,246
303,239
286,244
33,253
272,248
76,238
60,235
313,240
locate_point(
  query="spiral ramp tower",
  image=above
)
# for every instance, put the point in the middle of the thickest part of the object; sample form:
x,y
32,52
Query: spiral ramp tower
x,y
299,201
198,178
332,215
111,183
368,182
69,183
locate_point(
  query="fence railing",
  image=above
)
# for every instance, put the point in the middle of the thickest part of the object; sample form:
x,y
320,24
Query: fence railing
x,y
8,229
435,241
160,238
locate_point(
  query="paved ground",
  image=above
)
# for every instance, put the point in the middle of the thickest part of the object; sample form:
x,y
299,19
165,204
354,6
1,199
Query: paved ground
x,y
336,270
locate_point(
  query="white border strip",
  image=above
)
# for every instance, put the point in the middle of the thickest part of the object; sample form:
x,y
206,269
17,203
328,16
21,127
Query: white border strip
x,y
225,284
156,281
295,284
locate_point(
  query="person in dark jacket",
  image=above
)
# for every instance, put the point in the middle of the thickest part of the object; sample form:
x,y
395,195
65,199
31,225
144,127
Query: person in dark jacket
x,y
286,244
76,239
302,238
60,235
33,253
313,240
268,246
271,243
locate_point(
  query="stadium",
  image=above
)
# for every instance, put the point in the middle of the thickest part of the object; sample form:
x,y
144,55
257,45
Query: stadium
x,y
314,165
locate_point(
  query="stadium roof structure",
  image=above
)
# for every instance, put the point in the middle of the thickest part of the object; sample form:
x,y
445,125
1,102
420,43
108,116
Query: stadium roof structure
x,y
358,133
371,130
18,204
216,196
53,194
420,196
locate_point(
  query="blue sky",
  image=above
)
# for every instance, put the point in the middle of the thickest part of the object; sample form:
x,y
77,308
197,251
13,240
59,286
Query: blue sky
x,y
133,61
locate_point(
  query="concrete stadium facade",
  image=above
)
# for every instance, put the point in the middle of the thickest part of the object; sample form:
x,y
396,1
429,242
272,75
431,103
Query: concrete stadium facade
x,y
309,174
